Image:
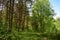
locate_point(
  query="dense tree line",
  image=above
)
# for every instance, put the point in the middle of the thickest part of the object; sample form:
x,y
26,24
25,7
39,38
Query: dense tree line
x,y
15,19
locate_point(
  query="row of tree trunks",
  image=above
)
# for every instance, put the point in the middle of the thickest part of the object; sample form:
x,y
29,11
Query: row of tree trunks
x,y
22,13
9,16
19,15
9,13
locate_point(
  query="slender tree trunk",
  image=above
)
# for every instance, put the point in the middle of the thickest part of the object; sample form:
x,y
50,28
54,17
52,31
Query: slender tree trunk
x,y
1,16
24,11
20,15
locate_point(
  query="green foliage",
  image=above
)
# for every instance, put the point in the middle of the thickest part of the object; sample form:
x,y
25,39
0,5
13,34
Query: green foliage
x,y
38,26
42,16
